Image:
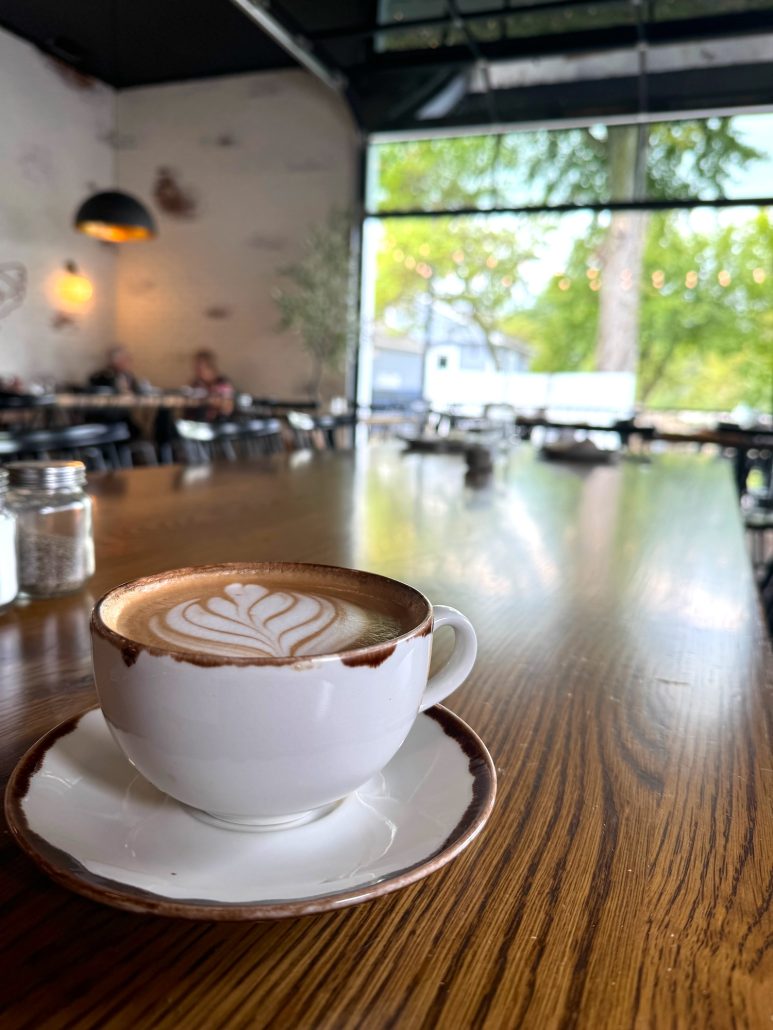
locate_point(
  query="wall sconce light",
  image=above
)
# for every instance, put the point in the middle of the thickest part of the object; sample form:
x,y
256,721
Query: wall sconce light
x,y
73,290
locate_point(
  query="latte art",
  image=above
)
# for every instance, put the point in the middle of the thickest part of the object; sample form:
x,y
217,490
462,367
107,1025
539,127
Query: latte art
x,y
251,620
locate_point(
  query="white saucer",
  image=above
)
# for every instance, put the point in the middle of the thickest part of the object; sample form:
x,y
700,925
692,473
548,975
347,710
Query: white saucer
x,y
92,823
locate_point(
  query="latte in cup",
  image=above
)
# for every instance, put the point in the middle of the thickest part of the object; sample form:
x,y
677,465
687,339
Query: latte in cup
x,y
238,615
260,695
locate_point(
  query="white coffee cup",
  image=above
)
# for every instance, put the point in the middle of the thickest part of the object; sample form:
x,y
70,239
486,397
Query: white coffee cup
x,y
267,742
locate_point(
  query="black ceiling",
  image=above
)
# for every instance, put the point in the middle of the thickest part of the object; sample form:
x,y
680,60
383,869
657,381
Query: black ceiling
x,y
395,56
140,42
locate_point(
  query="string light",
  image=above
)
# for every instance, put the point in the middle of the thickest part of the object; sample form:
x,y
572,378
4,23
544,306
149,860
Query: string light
x,y
82,287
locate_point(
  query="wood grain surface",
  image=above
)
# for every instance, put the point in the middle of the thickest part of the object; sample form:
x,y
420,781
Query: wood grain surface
x,y
623,687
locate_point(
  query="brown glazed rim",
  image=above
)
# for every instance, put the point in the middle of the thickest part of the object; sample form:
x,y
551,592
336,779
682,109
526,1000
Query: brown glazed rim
x,y
67,871
372,654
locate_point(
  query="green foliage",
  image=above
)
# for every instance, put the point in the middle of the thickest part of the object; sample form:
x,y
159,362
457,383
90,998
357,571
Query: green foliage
x,y
705,346
316,303
702,344
708,344
696,158
472,264
560,326
437,174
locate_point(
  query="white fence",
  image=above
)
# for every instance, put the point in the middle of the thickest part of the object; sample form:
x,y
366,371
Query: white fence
x,y
576,396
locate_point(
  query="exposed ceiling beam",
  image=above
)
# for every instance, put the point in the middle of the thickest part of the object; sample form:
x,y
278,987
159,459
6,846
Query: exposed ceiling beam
x,y
449,19
295,44
677,204
719,55
675,94
571,42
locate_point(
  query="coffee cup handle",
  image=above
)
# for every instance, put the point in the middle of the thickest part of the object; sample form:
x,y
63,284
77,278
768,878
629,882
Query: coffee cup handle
x,y
459,665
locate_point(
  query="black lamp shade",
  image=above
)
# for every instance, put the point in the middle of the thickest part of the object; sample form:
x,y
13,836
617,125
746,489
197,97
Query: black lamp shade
x,y
115,217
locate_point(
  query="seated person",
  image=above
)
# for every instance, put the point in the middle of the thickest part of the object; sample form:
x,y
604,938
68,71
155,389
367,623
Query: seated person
x,y
219,400
116,377
117,374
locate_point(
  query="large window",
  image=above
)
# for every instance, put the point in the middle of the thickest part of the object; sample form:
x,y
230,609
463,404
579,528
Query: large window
x,y
659,292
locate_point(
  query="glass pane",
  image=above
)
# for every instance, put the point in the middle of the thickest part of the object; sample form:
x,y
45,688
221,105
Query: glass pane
x,y
705,159
675,10
585,315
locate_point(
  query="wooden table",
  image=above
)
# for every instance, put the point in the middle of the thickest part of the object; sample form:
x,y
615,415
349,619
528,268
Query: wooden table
x,y
125,401
623,688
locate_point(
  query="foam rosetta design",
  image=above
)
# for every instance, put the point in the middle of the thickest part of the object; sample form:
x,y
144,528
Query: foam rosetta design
x,y
252,621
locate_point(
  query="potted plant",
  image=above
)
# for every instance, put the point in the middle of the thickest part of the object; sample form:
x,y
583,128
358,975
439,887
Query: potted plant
x,y
316,304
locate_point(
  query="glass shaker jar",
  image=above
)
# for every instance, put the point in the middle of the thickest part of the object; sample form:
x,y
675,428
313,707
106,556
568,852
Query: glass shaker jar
x,y
54,538
9,582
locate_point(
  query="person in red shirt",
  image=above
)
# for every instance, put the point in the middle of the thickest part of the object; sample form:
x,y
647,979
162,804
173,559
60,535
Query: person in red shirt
x,y
219,400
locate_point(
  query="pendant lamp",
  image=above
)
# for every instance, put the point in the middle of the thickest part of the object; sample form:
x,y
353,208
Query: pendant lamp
x,y
115,217
112,215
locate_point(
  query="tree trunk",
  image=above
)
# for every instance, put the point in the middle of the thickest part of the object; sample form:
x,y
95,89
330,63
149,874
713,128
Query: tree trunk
x,y
617,341
427,340
318,370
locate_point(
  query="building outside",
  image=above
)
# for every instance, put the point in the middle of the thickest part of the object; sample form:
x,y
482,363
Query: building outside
x,y
433,362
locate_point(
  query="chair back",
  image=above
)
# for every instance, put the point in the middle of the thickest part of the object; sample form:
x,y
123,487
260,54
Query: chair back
x,y
199,432
97,445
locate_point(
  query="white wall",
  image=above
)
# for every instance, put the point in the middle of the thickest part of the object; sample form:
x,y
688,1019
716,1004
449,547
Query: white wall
x,y
55,147
236,169
252,161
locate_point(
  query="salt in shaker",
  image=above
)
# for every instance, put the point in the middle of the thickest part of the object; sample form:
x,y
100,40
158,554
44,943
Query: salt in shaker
x,y
54,539
9,583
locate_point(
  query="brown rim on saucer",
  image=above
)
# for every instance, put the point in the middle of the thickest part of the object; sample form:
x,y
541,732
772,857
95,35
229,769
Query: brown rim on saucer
x,y
372,654
67,871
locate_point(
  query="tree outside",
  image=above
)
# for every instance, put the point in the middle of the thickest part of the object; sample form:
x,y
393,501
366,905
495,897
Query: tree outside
x,y
679,298
471,264
706,326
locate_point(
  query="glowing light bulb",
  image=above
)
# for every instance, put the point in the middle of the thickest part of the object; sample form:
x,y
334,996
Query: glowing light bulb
x,y
658,279
72,290
564,283
691,280
758,275
724,278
